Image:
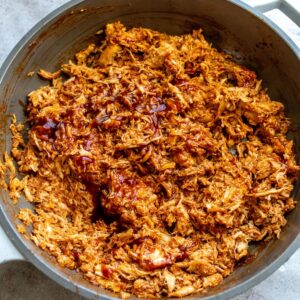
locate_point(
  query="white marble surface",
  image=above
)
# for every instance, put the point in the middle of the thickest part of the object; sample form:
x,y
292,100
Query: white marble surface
x,y
16,18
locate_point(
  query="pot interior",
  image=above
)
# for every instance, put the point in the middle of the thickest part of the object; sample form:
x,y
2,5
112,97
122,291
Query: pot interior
x,y
229,27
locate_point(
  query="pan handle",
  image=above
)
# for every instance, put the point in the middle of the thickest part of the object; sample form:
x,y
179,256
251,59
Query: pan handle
x,y
8,252
285,14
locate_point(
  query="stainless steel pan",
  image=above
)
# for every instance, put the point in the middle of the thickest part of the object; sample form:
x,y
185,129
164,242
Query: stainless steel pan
x,y
230,25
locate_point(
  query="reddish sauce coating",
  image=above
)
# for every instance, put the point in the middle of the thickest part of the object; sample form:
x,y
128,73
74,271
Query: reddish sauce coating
x,y
154,165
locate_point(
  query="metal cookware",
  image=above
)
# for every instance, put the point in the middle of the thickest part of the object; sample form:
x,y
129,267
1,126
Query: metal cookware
x,y
230,25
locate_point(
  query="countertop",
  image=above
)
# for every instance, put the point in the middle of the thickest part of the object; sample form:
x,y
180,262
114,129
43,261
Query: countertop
x,y
20,280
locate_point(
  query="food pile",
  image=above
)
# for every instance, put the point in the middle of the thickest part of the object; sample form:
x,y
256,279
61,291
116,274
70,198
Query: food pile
x,y
154,165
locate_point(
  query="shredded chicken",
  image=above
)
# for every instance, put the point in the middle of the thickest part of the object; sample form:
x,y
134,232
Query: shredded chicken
x,y
154,165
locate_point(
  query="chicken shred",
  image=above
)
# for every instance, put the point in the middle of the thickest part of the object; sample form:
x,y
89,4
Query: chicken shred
x,y
154,165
